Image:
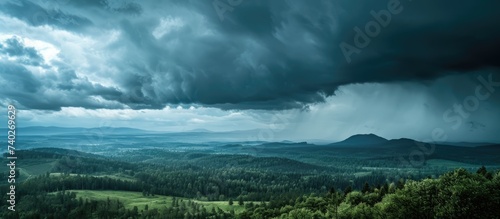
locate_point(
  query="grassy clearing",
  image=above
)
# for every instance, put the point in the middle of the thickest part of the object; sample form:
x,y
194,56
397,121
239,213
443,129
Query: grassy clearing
x,y
131,199
361,174
112,176
224,205
33,167
22,175
449,164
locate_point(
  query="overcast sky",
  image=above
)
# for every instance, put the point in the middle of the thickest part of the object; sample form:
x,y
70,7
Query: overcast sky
x,y
323,69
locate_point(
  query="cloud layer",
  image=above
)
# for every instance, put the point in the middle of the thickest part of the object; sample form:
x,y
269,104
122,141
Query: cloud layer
x,y
255,55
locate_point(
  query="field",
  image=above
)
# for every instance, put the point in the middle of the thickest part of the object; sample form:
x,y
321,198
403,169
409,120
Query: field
x,y
112,176
33,167
131,199
453,164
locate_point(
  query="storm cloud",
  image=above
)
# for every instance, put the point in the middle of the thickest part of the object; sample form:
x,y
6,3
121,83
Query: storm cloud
x,y
255,55
27,55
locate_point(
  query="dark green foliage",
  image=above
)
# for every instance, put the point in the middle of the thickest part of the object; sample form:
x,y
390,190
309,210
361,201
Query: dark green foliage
x,y
457,194
366,188
347,190
267,187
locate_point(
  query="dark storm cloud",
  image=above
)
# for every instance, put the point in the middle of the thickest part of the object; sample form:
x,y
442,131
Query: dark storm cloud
x,y
18,76
52,90
126,7
276,54
427,39
286,54
37,15
27,55
239,67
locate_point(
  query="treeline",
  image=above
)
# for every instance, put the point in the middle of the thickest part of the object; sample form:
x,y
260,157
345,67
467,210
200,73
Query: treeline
x,y
457,194
254,178
279,184
202,176
47,183
69,161
65,205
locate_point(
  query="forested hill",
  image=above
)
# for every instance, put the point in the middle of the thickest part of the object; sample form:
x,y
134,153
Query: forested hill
x,y
457,194
59,183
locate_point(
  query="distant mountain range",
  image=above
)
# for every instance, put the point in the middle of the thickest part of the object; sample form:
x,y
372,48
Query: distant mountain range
x,y
365,146
54,130
200,130
359,140
375,148
362,139
372,140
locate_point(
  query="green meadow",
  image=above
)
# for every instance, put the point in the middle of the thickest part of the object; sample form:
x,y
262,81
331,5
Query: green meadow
x,y
131,199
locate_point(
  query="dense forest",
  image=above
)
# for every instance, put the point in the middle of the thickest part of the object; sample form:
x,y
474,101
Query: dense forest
x,y
457,194
267,187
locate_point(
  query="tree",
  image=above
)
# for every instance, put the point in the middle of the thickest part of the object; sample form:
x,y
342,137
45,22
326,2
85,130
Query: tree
x,y
335,198
482,171
300,213
400,184
240,201
366,188
231,201
392,188
354,198
383,190
135,211
347,190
